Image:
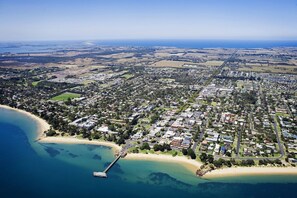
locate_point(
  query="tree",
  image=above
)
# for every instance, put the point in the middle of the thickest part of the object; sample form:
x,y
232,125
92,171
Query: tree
x,y
96,136
145,146
228,154
51,132
111,127
232,161
185,151
262,162
68,101
203,157
174,154
228,163
191,153
167,147
121,141
135,150
162,148
196,136
86,135
248,162
154,118
210,158
218,163
158,147
278,161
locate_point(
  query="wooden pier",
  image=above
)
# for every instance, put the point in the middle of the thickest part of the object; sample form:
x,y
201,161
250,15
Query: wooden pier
x,y
104,173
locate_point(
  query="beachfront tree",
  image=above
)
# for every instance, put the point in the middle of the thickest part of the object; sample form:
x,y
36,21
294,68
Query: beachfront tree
x,y
145,146
157,147
185,151
51,132
203,157
210,158
191,153
218,163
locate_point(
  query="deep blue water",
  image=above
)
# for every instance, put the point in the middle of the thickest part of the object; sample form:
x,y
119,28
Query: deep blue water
x,y
31,169
49,46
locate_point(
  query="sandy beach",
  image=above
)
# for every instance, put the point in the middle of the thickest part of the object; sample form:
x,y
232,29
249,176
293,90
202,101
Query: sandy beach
x,y
190,164
244,171
42,124
73,140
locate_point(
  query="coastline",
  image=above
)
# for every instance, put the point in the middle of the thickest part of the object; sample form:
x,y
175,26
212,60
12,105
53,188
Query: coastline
x,y
44,126
249,171
190,164
73,140
41,123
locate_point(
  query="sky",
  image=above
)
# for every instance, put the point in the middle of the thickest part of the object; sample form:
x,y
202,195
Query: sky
x,y
29,20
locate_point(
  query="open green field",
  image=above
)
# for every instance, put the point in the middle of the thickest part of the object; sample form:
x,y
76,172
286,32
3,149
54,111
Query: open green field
x,y
282,114
128,76
65,96
213,104
283,69
35,83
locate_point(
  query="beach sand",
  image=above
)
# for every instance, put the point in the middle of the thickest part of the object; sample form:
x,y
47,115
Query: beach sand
x,y
73,140
190,164
245,171
41,123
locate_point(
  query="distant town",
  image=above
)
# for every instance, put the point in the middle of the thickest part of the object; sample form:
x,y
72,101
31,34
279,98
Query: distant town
x,y
223,107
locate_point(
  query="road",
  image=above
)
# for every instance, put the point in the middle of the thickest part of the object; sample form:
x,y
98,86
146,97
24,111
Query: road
x,y
249,158
281,148
201,135
194,146
238,142
206,122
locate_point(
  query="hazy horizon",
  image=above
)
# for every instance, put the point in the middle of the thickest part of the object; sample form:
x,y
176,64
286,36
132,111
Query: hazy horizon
x,y
148,40
34,20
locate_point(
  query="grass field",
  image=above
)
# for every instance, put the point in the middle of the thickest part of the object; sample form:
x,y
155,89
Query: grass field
x,y
269,69
35,83
65,96
128,76
213,104
282,114
169,63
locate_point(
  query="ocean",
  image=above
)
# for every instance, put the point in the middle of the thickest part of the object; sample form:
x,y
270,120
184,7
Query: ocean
x,y
51,46
31,169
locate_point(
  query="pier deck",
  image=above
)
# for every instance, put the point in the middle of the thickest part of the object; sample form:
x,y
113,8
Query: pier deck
x,y
104,173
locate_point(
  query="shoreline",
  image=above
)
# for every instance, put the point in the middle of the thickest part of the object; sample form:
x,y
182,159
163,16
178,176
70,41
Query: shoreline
x,y
249,171
74,140
42,125
191,165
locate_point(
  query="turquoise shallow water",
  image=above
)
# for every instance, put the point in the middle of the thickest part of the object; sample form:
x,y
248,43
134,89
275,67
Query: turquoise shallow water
x,y
31,169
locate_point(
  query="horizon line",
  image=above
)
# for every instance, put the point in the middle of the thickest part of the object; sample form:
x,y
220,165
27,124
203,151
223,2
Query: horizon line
x,y
150,39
